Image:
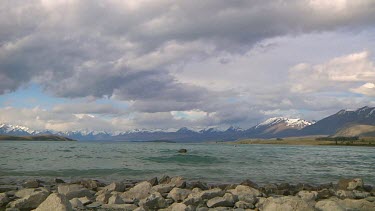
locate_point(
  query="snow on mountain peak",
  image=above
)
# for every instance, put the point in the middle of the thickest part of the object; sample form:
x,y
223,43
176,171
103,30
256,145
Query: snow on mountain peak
x,y
294,123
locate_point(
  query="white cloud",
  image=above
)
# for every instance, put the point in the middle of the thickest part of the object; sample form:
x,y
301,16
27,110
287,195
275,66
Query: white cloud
x,y
338,74
367,89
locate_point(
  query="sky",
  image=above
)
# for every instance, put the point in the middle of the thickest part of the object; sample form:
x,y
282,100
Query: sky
x,y
160,64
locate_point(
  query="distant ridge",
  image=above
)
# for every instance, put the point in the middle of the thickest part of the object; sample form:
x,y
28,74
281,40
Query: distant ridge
x,y
344,122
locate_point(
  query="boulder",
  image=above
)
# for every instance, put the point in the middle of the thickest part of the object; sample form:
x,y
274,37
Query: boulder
x,y
361,204
24,192
140,191
308,195
248,198
91,184
56,202
162,188
286,203
212,193
6,188
178,182
153,202
360,194
178,194
343,194
227,200
3,199
355,184
350,184
31,184
324,194
57,180
94,205
165,179
179,207
74,191
329,205
244,205
76,203
182,151
103,197
198,184
243,189
115,186
153,181
249,183
31,201
119,207
115,199
84,200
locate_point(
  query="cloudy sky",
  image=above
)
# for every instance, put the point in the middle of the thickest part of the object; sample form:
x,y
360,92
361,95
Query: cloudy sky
x,y
118,65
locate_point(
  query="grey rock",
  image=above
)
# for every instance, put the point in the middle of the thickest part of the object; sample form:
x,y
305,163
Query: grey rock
x,y
182,151
76,203
31,201
31,184
243,189
342,194
24,192
227,200
179,207
286,203
91,184
116,186
74,191
248,198
153,181
140,191
178,182
360,204
244,205
153,202
115,199
308,195
122,207
324,194
212,193
12,209
94,205
198,184
57,180
104,197
370,198
3,199
162,188
360,194
85,200
179,194
355,184
329,205
165,179
6,188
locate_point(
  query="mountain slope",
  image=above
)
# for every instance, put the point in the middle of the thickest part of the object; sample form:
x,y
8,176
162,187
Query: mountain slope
x,y
344,118
357,130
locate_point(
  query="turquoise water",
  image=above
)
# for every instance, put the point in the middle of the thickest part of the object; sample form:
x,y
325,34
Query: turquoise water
x,y
208,162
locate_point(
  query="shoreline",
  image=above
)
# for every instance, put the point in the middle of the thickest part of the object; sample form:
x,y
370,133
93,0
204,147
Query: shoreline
x,y
176,193
366,142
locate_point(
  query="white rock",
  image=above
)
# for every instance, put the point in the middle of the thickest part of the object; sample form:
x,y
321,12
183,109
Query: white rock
x,y
140,191
31,201
179,194
329,205
243,189
56,202
74,191
286,203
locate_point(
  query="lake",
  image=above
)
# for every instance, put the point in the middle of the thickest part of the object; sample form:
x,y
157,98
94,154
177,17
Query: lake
x,y
213,163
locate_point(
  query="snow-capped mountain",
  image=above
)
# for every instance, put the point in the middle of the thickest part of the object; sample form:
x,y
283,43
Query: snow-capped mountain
x,y
271,128
293,123
15,130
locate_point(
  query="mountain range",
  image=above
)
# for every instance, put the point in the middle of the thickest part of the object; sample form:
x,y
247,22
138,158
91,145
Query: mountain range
x,y
358,122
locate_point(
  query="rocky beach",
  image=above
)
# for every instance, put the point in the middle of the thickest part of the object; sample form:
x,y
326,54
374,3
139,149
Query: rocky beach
x,y
176,193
